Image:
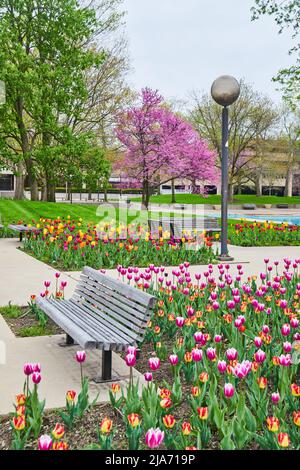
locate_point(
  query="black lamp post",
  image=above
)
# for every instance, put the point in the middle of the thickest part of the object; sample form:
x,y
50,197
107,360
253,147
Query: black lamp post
x,y
225,91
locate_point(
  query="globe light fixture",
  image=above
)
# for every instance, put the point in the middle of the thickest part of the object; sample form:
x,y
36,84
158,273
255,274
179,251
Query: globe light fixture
x,y
225,91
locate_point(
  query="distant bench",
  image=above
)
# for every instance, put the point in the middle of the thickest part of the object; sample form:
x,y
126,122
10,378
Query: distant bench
x,y
182,226
104,313
21,229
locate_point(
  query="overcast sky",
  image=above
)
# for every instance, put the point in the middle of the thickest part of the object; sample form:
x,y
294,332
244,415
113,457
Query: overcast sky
x,y
182,45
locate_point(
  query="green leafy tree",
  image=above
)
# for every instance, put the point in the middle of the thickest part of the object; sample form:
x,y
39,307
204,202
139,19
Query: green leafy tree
x,y
287,16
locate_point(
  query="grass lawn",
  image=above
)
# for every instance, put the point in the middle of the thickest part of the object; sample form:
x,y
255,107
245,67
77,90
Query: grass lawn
x,y
29,211
216,199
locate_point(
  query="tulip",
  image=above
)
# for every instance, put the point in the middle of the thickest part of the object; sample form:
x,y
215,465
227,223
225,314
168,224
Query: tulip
x,y
179,322
154,363
58,431
260,356
222,365
132,350
106,426
286,329
257,341
218,338
197,354
242,369
283,439
60,445
211,354
133,419
130,360
169,421
203,412
115,388
228,390
295,389
19,423
148,376
36,367
47,284
154,438
20,410
21,399
273,424
173,359
195,391
44,442
166,403
36,378
203,377
296,418
186,428
285,360
70,396
231,354
80,356
262,382
275,397
28,369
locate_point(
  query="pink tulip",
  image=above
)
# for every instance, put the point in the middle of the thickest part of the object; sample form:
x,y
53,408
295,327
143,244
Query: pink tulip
x,y
154,363
28,369
257,341
132,350
285,360
242,369
148,376
222,366
231,354
179,322
287,347
275,397
47,284
286,329
218,338
260,356
154,438
228,390
294,322
130,360
173,359
80,356
57,275
45,442
36,378
211,354
197,355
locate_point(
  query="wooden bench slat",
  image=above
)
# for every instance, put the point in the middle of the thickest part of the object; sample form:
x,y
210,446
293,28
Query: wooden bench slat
x,y
129,306
104,314
102,335
128,291
120,336
79,335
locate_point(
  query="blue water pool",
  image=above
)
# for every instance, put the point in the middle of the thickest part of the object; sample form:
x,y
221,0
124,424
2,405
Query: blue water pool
x,y
292,219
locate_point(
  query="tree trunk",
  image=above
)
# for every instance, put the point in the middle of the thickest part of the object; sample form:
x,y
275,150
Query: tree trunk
x,y
258,185
90,195
105,195
288,189
173,199
51,192
230,192
44,190
146,194
20,180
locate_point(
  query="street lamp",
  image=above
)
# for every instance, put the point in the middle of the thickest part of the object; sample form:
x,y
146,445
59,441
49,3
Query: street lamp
x,y
225,91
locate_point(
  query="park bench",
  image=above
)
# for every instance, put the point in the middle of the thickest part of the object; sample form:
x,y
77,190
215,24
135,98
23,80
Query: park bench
x,y
282,206
249,207
104,313
182,226
21,229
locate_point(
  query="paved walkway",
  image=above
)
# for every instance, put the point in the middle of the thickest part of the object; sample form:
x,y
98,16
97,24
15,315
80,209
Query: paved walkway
x,y
21,275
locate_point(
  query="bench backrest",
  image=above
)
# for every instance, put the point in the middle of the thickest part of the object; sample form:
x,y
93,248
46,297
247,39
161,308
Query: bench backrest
x,y
123,308
181,225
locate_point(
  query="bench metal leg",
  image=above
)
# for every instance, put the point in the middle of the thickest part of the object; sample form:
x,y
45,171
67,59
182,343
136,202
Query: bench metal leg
x,y
106,365
69,340
21,236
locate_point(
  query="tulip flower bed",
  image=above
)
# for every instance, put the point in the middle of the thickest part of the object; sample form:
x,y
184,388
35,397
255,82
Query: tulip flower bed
x,y
66,245
220,361
263,234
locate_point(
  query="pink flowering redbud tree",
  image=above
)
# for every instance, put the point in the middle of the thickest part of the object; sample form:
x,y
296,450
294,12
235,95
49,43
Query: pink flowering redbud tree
x,y
160,146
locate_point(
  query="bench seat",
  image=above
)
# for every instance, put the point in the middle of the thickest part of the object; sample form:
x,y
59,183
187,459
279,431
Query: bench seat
x,y
104,313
